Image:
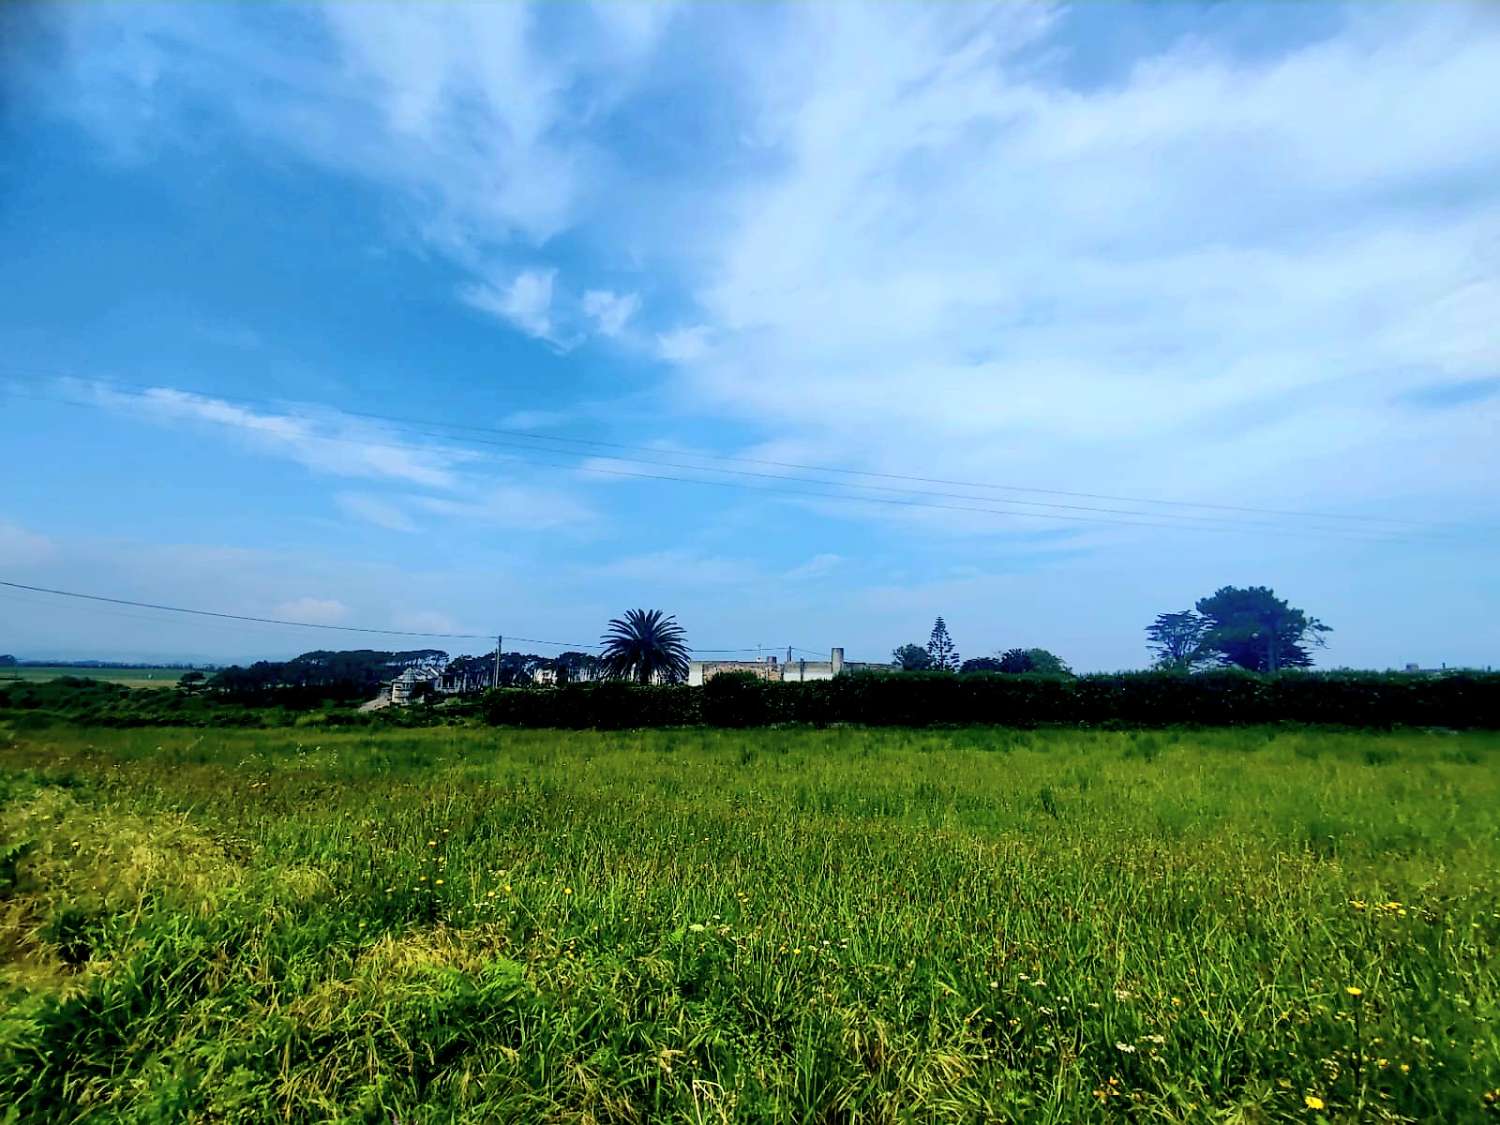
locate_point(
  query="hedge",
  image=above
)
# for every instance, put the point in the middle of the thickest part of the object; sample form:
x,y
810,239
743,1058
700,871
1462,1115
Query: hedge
x,y
1224,698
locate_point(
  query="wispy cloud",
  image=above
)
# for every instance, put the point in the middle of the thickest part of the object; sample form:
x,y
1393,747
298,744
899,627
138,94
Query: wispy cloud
x,y
818,566
314,611
683,345
322,440
1019,279
526,302
1443,395
377,510
461,484
22,548
610,311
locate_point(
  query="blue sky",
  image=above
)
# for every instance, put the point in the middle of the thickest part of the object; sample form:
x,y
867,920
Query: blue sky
x,y
1220,255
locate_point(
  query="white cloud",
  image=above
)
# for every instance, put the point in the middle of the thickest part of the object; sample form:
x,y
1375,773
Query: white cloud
x,y
683,345
376,510
477,116
816,567
1017,280
462,484
323,440
512,505
526,302
610,311
22,548
426,621
313,611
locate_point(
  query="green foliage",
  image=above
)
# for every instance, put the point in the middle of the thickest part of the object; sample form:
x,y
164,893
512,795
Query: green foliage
x,y
1220,698
322,674
735,699
86,701
981,664
645,646
1176,641
941,655
1021,661
911,658
1252,628
808,925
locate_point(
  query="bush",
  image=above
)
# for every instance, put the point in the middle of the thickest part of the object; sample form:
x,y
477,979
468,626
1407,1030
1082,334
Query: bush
x,y
1150,699
736,699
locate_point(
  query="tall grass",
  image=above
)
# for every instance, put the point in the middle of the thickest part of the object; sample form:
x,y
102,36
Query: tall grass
x,y
772,925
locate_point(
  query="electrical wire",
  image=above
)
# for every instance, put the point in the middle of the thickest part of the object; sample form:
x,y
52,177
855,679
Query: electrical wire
x,y
1196,523
250,619
535,439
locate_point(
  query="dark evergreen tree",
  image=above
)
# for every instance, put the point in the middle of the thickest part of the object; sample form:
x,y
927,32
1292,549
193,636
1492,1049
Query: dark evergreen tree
x,y
1176,640
1253,628
940,648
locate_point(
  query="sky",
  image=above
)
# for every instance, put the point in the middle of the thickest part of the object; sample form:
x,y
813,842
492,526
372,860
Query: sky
x,y
400,317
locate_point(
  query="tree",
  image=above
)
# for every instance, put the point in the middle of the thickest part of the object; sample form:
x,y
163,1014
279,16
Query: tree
x,y
1253,628
1176,640
940,648
576,667
191,681
911,658
1019,661
1046,663
7,661
645,645
982,664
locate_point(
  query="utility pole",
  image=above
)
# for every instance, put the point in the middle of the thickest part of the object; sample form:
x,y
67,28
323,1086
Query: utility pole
x,y
499,642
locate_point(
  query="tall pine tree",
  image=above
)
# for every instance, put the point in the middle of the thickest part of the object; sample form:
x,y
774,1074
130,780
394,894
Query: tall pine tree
x,y
940,648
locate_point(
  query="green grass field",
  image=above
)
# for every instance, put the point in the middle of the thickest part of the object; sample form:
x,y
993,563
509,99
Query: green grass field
x,y
457,924
130,677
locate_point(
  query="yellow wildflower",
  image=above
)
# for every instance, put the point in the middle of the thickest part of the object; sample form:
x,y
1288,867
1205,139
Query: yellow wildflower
x,y
1313,1101
1354,991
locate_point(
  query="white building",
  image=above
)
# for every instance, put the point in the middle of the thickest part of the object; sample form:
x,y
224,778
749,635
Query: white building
x,y
413,683
790,672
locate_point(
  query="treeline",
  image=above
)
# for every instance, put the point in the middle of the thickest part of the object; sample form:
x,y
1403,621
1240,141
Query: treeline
x,y
318,675
1217,698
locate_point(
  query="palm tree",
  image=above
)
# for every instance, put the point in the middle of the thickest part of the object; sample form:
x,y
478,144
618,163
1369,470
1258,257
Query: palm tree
x,y
645,645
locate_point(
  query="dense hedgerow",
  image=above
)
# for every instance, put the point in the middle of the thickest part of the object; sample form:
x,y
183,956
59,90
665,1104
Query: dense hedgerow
x,y
85,701
1460,700
924,699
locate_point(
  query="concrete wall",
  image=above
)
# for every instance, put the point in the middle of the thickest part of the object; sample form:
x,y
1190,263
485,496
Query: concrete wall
x,y
701,671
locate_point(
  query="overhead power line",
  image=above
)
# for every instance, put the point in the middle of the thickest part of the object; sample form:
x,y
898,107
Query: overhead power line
x,y
905,497
543,442
250,619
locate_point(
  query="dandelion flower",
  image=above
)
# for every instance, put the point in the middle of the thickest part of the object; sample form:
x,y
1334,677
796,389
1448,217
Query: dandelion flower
x,y
439,882
567,890
432,843
1313,1101
1354,991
